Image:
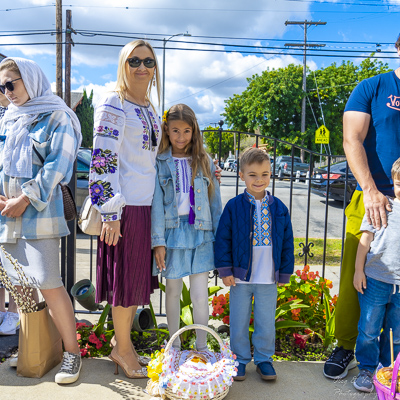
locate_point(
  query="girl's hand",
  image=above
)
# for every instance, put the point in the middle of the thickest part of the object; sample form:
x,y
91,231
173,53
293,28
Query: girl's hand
x,y
159,254
217,171
110,232
3,200
14,208
360,281
229,280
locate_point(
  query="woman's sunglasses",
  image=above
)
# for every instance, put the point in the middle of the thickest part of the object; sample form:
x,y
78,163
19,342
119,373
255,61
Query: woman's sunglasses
x,y
135,62
8,85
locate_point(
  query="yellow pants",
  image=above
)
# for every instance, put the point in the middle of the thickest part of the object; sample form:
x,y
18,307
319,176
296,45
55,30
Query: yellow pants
x,y
347,307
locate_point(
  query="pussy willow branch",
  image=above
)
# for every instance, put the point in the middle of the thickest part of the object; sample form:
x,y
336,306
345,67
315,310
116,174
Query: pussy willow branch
x,y
24,298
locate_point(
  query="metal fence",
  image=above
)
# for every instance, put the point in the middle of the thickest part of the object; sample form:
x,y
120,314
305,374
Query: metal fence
x,y
290,189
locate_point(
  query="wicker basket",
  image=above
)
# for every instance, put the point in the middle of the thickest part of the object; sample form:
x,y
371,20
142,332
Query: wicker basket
x,y
197,375
386,392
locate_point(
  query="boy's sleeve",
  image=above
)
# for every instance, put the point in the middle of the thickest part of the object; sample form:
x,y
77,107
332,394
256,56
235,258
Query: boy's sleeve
x,y
287,262
223,244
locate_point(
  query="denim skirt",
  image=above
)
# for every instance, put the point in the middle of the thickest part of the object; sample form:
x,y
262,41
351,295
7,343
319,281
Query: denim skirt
x,y
188,251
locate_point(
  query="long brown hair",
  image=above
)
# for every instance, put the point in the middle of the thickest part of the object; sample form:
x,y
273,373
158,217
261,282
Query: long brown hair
x,y
195,149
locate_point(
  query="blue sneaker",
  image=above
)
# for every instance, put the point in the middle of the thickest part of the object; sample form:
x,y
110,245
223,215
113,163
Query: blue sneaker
x,y
241,373
267,371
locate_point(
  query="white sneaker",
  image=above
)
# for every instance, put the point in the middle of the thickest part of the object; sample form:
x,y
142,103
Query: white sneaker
x,y
2,315
13,362
10,324
70,368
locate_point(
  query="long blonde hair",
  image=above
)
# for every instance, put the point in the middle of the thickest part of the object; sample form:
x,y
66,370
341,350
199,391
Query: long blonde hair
x,y
195,149
122,85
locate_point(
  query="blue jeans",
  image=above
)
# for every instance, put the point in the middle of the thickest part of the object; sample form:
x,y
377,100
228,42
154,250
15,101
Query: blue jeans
x,y
380,308
264,321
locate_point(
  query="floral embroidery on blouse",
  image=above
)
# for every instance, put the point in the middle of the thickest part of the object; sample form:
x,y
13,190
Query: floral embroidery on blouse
x,y
109,217
100,191
103,162
146,129
185,167
262,233
105,131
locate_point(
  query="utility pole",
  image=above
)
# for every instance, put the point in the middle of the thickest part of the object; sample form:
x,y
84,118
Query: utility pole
x,y
305,24
59,48
68,42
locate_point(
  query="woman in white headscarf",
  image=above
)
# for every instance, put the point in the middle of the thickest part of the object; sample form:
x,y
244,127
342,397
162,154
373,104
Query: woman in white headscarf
x,y
39,140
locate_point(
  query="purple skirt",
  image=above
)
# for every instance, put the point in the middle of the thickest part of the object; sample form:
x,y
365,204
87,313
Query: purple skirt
x,y
124,271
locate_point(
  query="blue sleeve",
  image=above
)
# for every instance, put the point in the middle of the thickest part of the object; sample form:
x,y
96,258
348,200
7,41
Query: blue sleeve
x,y
157,215
223,244
287,261
215,200
360,98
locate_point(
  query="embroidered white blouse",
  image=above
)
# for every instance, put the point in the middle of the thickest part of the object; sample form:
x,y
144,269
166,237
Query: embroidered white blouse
x,y
123,170
183,182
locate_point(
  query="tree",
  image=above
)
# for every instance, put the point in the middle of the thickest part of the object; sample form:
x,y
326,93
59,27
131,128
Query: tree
x,y
272,102
85,113
211,140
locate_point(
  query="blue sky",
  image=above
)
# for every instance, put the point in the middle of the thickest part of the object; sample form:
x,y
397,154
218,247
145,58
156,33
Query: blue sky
x,y
201,79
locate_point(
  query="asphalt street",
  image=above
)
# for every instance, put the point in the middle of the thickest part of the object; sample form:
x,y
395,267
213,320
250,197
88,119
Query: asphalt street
x,y
317,207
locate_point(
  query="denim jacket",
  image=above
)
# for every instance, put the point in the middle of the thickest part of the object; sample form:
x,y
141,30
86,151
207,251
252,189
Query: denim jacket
x,y
164,212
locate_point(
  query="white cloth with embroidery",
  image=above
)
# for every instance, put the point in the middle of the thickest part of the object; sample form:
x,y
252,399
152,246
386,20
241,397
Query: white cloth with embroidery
x,y
123,161
198,374
262,267
183,182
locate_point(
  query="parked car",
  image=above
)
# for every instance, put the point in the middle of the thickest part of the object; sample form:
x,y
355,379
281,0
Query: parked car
x,y
283,167
228,162
82,175
337,182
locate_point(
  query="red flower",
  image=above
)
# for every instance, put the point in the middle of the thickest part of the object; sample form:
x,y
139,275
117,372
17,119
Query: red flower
x,y
83,352
300,340
80,325
251,321
93,338
225,320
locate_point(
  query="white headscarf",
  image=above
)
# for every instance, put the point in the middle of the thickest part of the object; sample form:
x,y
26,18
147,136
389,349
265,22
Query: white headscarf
x,y
17,153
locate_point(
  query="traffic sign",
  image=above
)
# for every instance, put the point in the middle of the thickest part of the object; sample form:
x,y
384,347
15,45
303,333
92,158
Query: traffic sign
x,y
322,135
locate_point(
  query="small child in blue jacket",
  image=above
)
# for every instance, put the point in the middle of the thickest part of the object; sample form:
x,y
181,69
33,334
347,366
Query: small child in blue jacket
x,y
253,252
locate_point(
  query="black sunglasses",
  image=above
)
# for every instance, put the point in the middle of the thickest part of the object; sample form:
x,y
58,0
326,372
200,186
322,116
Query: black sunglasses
x,y
135,62
8,85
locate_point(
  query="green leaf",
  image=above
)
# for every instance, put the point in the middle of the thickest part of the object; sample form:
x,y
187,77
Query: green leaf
x,y
186,296
162,286
213,289
186,315
290,324
100,325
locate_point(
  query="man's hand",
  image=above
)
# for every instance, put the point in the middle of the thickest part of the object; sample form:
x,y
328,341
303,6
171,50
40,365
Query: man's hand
x,y
229,280
14,208
360,281
376,204
159,255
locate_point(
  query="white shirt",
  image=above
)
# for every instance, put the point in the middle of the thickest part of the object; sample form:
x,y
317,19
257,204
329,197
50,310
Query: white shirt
x,y
183,183
262,267
125,159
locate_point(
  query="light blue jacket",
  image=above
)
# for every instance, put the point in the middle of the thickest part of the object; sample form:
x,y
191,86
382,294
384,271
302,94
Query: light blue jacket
x,y
164,211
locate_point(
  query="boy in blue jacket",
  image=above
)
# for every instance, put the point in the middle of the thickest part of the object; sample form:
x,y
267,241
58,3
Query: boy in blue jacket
x,y
253,252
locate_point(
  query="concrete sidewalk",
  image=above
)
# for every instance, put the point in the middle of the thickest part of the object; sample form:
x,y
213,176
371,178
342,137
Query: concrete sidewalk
x,y
296,381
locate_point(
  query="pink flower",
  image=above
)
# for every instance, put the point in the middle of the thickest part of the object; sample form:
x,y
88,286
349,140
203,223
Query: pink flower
x,y
83,352
78,336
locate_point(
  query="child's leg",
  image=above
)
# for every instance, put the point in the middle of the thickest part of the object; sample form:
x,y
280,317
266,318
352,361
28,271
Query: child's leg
x,y
264,322
392,320
239,319
199,297
373,307
173,290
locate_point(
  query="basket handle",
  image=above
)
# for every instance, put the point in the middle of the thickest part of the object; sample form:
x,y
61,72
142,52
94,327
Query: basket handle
x,y
189,327
395,376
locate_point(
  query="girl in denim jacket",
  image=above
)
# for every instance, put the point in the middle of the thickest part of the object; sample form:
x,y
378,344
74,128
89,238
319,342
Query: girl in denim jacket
x,y
184,217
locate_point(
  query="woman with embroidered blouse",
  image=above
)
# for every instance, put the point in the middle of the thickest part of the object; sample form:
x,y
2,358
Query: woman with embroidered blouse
x,y
122,181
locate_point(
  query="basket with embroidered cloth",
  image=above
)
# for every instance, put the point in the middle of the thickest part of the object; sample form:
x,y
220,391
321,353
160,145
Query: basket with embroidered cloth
x,y
197,375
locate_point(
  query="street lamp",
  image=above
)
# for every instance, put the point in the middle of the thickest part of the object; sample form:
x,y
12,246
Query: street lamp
x,y
163,82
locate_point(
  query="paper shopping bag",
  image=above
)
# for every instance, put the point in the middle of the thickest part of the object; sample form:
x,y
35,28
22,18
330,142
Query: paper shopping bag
x,y
40,346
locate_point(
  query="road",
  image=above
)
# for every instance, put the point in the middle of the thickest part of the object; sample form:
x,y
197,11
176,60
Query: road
x,y
299,206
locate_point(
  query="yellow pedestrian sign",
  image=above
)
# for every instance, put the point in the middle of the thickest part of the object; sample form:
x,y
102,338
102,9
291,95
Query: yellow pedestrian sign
x,y
322,135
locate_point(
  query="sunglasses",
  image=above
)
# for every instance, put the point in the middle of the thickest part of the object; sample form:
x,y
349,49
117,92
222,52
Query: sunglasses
x,y
135,62
8,85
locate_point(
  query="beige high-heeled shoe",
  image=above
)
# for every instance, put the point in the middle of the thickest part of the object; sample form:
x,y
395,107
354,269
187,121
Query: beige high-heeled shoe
x,y
132,374
142,360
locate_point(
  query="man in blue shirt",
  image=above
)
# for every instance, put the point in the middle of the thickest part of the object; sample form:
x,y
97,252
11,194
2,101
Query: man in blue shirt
x,y
371,140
